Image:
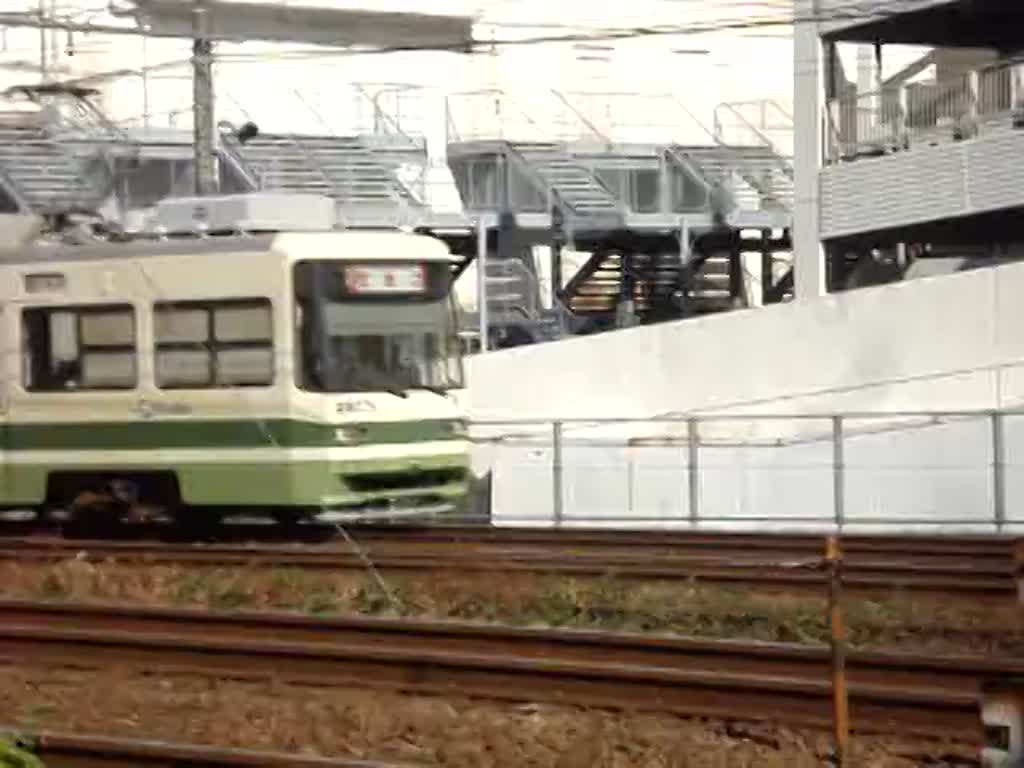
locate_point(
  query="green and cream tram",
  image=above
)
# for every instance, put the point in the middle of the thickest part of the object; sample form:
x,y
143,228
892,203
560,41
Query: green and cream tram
x,y
303,373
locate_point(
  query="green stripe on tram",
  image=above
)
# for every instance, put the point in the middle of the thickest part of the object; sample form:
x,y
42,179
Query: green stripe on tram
x,y
247,433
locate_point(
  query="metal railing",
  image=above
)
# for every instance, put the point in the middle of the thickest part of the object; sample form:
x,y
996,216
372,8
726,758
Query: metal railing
x,y
760,122
490,114
892,472
393,111
631,118
989,99
397,110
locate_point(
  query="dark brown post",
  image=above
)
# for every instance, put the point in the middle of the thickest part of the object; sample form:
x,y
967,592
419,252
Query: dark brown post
x,y
837,638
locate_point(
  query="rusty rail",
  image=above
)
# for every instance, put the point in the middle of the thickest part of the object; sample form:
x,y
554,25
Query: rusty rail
x,y
974,568
888,692
81,751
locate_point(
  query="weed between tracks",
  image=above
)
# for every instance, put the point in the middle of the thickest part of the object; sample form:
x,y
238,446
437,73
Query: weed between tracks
x,y
897,622
420,730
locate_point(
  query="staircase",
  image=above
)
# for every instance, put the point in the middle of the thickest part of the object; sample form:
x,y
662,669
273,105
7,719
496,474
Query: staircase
x,y
580,194
512,293
514,310
340,167
37,172
658,291
766,179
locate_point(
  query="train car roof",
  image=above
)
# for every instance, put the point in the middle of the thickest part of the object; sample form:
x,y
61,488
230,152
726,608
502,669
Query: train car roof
x,y
293,245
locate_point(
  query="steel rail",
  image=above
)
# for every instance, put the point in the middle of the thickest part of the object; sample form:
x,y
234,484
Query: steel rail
x,y
576,536
890,692
983,569
68,750
593,537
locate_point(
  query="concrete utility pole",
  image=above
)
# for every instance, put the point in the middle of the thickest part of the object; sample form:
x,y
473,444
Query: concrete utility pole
x,y
808,86
206,179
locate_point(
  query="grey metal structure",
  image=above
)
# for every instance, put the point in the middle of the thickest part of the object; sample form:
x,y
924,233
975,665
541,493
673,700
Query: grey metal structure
x,y
924,177
672,227
666,221
60,154
344,168
44,167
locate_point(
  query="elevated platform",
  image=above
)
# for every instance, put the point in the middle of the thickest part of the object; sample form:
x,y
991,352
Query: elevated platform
x,y
59,153
341,167
607,157
925,170
641,204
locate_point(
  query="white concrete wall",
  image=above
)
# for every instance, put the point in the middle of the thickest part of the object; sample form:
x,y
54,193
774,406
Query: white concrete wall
x,y
948,343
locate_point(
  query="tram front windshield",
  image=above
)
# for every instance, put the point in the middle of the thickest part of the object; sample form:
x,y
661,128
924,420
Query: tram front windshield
x,y
391,342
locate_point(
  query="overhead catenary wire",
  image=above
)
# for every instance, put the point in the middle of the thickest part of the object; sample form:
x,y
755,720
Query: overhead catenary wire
x,y
851,11
859,11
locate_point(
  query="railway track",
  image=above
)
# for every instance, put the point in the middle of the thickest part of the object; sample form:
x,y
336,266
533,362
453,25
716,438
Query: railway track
x,y
901,694
64,750
981,568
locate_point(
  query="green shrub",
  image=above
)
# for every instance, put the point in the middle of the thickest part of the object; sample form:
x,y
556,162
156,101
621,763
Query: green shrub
x,y
13,756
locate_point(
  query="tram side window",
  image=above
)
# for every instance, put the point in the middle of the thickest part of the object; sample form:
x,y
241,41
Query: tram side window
x,y
214,344
79,348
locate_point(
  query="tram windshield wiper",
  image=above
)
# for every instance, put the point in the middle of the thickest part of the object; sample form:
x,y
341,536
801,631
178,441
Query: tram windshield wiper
x,y
439,391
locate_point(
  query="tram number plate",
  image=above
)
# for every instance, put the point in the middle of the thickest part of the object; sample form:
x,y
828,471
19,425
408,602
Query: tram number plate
x,y
364,279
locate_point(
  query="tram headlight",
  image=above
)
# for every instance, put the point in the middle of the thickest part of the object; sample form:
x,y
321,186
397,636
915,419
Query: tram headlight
x,y
348,435
458,429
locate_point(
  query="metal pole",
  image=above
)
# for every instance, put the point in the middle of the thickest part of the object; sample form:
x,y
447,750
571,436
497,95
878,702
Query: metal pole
x,y
837,639
481,279
998,471
693,468
54,39
838,473
557,489
558,241
44,68
145,81
202,103
556,274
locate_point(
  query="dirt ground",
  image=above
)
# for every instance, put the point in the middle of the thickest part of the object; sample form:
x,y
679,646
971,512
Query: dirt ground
x,y
417,730
898,621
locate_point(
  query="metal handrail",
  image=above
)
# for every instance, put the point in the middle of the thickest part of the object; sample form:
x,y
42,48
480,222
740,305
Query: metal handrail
x,y
766,102
305,102
765,139
493,92
967,101
292,137
588,124
670,98
879,423
380,115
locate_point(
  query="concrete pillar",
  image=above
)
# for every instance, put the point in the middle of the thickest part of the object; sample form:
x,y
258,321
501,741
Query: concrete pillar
x,y
808,89
869,77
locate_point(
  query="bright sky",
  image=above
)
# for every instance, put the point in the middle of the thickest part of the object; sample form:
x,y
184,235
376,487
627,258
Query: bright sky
x,y
270,85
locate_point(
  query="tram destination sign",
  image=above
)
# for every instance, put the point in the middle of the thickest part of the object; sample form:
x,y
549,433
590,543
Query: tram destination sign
x,y
385,279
